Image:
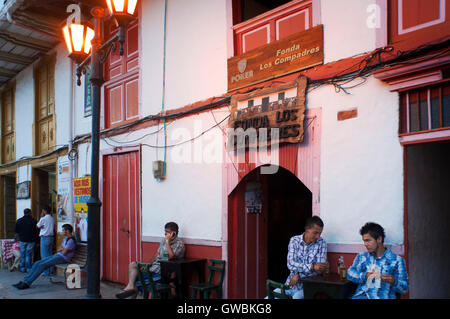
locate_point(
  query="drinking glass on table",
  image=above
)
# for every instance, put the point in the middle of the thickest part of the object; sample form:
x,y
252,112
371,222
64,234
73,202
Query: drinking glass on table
x,y
326,269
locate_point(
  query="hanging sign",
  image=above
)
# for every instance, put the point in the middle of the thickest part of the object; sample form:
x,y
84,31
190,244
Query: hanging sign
x,y
286,115
64,213
23,190
296,52
253,198
81,194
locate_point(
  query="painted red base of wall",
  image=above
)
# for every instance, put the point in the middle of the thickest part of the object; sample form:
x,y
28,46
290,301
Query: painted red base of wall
x,y
192,251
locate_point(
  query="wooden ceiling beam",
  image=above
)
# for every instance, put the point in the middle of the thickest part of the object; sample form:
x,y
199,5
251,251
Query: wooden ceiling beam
x,y
15,58
8,73
28,42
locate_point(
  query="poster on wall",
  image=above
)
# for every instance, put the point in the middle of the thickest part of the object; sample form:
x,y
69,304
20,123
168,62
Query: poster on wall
x,y
253,201
23,190
81,194
64,213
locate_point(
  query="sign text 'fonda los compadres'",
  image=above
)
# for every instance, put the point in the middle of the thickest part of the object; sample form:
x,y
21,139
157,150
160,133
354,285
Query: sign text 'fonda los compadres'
x,y
296,52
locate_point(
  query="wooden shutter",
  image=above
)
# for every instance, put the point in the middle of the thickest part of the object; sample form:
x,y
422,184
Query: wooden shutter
x,y
122,80
45,106
8,126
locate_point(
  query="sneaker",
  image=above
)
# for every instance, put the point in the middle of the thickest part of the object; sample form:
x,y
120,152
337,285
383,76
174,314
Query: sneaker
x,y
23,285
18,284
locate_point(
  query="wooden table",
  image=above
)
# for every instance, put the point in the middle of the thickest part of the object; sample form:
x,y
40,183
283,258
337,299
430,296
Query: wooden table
x,y
182,268
319,287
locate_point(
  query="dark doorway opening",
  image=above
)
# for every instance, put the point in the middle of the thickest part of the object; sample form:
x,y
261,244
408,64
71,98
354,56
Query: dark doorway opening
x,y
8,191
290,204
247,9
44,192
259,239
428,223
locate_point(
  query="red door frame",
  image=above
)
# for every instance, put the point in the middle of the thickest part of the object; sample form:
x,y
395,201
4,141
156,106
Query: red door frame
x,y
104,154
298,159
405,194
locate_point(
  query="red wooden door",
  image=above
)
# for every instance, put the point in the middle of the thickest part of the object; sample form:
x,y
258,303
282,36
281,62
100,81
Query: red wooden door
x,y
248,269
121,215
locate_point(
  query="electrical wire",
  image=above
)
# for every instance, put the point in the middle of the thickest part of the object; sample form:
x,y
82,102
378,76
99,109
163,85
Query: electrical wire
x,y
192,139
364,68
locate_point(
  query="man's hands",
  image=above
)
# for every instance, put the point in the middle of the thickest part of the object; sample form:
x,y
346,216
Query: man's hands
x,y
294,280
319,267
170,236
386,278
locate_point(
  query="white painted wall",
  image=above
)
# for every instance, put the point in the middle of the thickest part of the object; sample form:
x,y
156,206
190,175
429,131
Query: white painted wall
x,y
196,59
346,32
191,193
361,162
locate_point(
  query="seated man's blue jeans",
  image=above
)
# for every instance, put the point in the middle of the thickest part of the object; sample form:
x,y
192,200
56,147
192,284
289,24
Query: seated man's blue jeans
x,y
360,297
296,294
41,265
47,250
156,277
26,252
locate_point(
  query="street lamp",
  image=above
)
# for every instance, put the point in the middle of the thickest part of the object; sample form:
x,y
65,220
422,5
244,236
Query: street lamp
x,y
81,40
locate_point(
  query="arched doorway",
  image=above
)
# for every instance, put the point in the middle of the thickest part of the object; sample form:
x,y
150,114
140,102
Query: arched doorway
x,y
259,238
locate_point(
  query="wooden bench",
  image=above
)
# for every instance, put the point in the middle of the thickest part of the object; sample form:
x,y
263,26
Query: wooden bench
x,y
80,259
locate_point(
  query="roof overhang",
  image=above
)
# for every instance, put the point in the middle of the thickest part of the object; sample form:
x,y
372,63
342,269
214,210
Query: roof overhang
x,y
29,29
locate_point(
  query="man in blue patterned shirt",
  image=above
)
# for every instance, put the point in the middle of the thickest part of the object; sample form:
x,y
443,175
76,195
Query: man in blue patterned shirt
x,y
379,273
306,256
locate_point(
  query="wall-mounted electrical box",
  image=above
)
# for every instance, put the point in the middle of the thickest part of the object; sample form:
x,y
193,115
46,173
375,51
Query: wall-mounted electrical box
x,y
159,171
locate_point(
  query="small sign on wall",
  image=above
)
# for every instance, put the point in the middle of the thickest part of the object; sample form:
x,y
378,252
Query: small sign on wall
x,y
23,190
253,198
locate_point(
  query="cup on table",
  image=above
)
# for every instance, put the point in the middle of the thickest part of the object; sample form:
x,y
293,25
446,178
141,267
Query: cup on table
x,y
326,270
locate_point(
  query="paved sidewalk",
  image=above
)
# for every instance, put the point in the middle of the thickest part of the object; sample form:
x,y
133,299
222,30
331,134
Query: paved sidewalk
x,y
43,288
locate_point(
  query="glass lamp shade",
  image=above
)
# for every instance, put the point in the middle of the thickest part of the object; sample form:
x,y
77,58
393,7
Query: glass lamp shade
x,y
78,39
122,10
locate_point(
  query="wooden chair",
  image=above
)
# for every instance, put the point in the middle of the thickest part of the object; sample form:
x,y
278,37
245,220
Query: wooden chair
x,y
158,290
272,285
205,288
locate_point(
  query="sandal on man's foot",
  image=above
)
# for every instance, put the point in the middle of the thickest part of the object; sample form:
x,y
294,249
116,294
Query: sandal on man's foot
x,y
126,293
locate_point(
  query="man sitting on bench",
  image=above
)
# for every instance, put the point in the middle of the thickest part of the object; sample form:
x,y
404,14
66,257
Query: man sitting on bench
x,y
64,255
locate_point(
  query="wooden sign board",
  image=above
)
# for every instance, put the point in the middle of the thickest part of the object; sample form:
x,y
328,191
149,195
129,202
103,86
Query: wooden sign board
x,y
296,52
286,115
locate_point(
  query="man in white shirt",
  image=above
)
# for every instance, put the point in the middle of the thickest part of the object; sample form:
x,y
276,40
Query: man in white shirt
x,y
46,226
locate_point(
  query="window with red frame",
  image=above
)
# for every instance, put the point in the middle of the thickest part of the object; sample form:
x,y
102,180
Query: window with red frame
x,y
122,79
416,22
259,22
424,109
